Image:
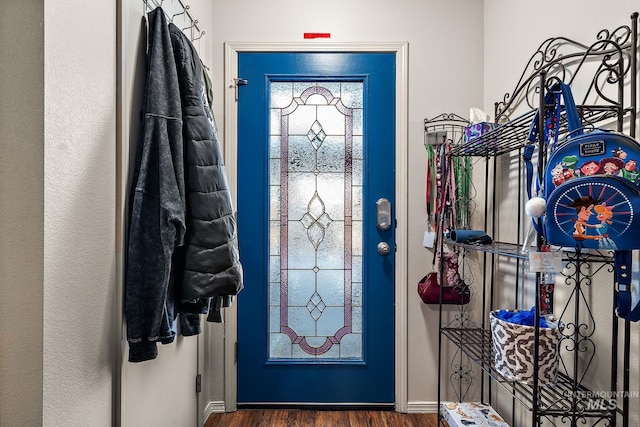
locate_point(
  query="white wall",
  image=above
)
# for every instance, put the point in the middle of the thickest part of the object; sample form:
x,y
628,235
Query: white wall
x,y
79,294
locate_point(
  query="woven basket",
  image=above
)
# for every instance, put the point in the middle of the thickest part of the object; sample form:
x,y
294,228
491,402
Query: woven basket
x,y
513,351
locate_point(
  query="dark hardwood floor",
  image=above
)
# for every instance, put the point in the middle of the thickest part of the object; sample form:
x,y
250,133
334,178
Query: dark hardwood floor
x,y
315,418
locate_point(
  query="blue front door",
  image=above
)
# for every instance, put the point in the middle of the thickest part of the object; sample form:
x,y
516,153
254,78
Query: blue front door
x,y
316,151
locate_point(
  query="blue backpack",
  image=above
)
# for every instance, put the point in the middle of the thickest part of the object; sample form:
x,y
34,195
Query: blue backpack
x,y
592,189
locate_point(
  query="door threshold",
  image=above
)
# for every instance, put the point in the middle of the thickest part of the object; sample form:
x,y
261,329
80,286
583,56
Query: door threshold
x,y
321,406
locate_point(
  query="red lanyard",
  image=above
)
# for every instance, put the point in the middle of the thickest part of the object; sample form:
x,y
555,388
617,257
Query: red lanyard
x,y
441,189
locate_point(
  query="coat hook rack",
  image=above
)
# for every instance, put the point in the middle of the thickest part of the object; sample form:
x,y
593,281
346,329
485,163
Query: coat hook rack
x,y
195,35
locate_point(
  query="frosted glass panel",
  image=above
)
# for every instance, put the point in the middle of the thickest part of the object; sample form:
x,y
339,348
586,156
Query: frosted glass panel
x,y
315,170
281,94
352,95
301,159
331,156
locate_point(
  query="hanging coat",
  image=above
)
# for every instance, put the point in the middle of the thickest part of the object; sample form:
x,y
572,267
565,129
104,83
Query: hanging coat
x,y
182,253
157,222
211,271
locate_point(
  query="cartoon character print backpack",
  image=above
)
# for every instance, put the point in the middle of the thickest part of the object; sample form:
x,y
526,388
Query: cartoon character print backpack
x,y
592,189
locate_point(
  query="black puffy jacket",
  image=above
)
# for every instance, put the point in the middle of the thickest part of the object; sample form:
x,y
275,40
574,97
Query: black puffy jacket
x,y
211,260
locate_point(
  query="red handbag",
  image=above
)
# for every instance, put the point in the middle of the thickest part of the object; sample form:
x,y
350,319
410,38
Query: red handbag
x,y
454,289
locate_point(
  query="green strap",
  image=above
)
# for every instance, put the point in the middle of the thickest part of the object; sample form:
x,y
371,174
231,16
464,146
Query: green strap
x,y
462,185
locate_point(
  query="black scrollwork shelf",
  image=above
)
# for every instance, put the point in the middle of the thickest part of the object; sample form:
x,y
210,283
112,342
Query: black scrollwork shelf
x,y
604,65
603,76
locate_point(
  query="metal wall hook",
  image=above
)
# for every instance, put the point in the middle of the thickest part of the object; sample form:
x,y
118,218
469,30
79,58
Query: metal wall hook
x,y
190,27
151,4
184,12
202,33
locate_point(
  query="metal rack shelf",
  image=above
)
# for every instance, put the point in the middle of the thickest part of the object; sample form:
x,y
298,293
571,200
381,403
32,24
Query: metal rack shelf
x,y
511,250
607,75
503,139
513,135
514,250
555,400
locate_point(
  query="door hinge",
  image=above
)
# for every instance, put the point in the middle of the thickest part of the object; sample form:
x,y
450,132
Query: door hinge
x,y
198,383
237,83
235,352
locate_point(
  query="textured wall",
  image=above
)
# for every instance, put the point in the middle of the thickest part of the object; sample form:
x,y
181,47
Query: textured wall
x,y
79,215
21,210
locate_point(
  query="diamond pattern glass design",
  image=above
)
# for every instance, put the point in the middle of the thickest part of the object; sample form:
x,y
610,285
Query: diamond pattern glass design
x,y
315,233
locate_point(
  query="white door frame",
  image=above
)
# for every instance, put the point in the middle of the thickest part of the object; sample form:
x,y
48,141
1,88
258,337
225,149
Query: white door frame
x,y
231,51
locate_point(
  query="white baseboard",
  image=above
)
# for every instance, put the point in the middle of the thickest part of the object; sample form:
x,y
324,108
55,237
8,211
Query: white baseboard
x,y
212,408
422,407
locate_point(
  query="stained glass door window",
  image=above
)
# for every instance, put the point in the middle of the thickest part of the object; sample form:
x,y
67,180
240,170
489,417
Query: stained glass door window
x,y
315,215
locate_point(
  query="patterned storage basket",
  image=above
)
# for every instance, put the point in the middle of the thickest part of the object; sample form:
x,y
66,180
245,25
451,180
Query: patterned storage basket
x,y
513,351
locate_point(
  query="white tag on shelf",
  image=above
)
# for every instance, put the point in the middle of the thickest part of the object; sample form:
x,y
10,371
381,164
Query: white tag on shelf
x,y
429,239
545,262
